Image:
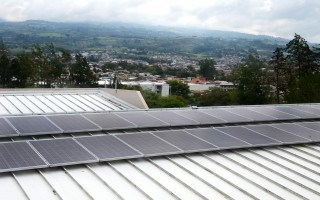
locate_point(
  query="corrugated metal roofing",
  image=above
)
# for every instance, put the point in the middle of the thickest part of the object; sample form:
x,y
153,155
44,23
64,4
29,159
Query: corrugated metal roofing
x,y
41,102
290,172
278,172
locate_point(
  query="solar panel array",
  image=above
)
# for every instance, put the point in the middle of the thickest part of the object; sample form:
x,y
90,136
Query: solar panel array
x,y
66,123
77,150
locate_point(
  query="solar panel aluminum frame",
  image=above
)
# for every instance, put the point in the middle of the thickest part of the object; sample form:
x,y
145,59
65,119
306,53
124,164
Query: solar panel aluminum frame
x,y
113,128
243,120
110,159
248,145
191,121
9,135
309,109
164,124
281,142
154,154
36,133
201,122
213,148
304,135
29,167
251,118
269,109
75,130
66,163
302,124
253,145
299,113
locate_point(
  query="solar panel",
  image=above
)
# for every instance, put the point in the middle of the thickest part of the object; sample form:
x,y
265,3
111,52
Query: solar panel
x,y
63,152
217,138
73,123
172,118
33,125
6,129
185,141
316,106
109,121
200,117
273,113
19,156
299,130
308,108
108,148
149,144
248,135
277,134
295,112
228,117
312,125
141,119
245,112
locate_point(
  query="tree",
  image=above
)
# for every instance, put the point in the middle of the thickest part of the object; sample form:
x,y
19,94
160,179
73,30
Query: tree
x,y
302,71
216,97
252,82
81,73
207,68
179,88
5,69
278,64
154,100
300,56
22,70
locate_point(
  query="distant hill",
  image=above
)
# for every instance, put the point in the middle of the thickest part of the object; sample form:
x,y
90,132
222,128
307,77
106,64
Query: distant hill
x,y
98,36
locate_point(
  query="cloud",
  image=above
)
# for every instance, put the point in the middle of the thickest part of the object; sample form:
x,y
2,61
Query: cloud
x,y
273,17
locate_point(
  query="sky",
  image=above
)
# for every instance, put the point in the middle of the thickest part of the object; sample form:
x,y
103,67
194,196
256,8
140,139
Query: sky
x,y
279,18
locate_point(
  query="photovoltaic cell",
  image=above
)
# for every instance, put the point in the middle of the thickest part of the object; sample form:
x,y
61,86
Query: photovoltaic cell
x,y
172,118
6,129
254,116
18,156
108,148
273,113
312,125
200,117
109,121
185,141
248,135
295,112
73,123
63,152
141,119
33,125
217,138
148,144
228,117
277,134
300,130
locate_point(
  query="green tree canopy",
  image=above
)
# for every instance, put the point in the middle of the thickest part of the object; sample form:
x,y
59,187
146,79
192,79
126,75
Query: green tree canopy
x,y
207,68
216,97
252,82
81,73
179,88
154,100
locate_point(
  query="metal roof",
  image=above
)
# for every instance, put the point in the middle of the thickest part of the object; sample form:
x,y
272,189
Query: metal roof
x,y
289,172
26,102
277,172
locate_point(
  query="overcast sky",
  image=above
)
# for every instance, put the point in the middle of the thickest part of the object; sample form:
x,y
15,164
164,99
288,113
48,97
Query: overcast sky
x,y
280,18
